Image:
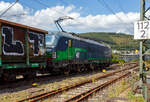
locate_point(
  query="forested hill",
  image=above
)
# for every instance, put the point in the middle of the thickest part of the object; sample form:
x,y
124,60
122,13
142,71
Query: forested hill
x,y
117,41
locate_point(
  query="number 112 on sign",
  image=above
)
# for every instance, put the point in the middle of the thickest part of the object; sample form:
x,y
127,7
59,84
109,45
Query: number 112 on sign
x,y
141,30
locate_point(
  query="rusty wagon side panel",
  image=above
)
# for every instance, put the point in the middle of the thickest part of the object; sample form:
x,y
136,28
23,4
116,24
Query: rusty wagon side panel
x,y
21,46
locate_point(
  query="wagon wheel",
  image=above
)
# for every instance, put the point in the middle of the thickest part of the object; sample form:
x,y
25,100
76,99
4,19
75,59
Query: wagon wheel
x,y
9,77
30,75
1,72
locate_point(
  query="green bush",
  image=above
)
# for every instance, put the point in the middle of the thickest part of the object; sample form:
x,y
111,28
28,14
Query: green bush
x,y
118,61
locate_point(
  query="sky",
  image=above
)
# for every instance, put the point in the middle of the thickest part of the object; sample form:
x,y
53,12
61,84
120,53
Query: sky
x,y
89,15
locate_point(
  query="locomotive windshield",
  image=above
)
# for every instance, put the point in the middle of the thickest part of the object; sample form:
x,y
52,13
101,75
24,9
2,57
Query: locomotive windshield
x,y
51,41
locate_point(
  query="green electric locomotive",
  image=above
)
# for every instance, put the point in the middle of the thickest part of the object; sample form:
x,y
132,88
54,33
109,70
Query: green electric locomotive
x,y
67,52
26,50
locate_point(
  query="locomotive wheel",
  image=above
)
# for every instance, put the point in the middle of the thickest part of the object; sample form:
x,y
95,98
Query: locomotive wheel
x,y
92,67
102,67
86,68
82,69
78,68
9,77
66,70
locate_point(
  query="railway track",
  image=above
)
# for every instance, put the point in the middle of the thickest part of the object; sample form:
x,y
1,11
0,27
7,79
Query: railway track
x,y
87,86
43,78
84,95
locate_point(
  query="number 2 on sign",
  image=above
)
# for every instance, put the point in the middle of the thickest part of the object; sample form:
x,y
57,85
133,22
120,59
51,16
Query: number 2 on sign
x,y
143,34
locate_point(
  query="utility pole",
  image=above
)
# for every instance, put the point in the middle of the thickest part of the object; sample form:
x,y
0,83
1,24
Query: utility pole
x,y
142,59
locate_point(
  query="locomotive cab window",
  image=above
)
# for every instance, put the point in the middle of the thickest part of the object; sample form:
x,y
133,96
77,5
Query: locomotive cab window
x,y
63,43
51,42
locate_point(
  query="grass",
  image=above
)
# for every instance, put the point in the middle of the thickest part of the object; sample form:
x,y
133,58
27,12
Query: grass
x,y
116,41
134,98
118,88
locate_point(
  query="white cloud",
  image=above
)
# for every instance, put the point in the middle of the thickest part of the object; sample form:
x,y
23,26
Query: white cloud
x,y
16,9
107,22
44,19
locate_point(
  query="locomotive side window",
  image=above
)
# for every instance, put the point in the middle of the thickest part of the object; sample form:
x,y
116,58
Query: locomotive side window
x,y
11,47
37,40
80,44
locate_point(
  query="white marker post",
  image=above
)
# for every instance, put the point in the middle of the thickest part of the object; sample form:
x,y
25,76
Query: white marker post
x,y
142,33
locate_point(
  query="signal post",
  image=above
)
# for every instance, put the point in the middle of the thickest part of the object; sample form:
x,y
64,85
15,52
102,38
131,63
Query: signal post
x,y
142,33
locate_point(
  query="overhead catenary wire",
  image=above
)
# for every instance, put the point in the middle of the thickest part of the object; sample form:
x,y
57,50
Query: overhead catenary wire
x,y
15,15
107,6
8,8
103,3
45,5
27,5
121,7
63,14
35,8
42,4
